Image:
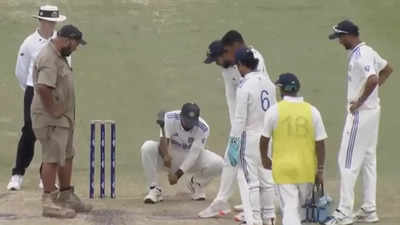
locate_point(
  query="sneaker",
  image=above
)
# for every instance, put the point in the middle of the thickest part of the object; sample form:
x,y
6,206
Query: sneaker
x,y
52,209
154,195
239,217
216,208
196,190
238,208
15,183
69,199
270,221
338,218
364,216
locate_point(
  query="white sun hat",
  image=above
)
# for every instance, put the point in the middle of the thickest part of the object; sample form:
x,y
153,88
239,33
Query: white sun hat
x,y
50,13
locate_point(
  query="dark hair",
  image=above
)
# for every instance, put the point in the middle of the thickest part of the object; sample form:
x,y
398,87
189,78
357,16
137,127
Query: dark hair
x,y
250,63
231,37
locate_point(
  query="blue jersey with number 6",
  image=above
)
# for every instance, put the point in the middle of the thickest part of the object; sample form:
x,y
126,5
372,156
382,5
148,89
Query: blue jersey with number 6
x,y
255,94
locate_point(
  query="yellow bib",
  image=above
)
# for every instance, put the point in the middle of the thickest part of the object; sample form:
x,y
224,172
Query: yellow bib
x,y
294,159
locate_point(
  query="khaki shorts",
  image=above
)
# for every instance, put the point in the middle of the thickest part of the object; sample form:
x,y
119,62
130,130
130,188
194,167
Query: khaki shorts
x,y
57,144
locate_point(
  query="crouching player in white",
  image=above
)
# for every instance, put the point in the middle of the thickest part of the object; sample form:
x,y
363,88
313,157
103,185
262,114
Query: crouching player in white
x,y
255,94
298,135
181,150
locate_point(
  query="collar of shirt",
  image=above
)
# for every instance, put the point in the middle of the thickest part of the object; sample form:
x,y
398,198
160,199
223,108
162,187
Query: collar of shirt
x,y
351,51
40,38
55,50
293,99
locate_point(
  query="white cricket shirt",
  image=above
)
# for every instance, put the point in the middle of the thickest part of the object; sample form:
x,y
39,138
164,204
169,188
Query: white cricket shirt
x,y
363,62
255,94
232,79
272,116
189,143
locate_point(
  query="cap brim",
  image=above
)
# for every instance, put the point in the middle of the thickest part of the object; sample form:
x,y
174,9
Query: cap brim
x,y
209,60
82,42
333,36
59,19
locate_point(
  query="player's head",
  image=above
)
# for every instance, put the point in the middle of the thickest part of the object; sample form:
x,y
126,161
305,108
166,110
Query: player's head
x,y
245,61
288,84
48,16
68,38
347,33
232,41
215,54
190,114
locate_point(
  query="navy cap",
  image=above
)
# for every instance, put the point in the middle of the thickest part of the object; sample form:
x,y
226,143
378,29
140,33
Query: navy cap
x,y
243,54
190,112
342,28
215,49
288,82
72,32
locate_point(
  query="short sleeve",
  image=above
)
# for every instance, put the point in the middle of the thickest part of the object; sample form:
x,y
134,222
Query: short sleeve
x,y
319,128
270,120
47,72
366,65
380,63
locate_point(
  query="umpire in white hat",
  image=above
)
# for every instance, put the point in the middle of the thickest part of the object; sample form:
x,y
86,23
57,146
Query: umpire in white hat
x,y
48,16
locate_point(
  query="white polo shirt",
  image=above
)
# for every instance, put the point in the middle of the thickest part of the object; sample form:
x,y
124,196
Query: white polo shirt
x,y
232,79
255,94
188,144
27,54
363,61
272,116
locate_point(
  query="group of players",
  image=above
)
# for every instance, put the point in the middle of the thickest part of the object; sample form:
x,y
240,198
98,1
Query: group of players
x,y
275,149
291,130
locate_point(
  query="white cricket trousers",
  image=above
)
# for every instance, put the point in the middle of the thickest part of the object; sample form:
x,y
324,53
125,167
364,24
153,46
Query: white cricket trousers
x,y
259,180
207,166
292,198
358,154
228,178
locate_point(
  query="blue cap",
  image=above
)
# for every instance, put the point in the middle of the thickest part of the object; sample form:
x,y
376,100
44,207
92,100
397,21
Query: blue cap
x,y
243,54
215,49
343,28
288,82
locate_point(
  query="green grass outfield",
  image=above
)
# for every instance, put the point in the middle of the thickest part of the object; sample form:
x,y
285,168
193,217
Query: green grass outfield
x,y
146,55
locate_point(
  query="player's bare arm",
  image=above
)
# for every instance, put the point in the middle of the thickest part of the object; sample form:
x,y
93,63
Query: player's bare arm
x,y
320,151
46,96
370,85
266,161
164,142
384,74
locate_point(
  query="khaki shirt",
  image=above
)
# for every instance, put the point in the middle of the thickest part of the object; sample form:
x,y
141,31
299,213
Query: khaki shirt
x,y
52,70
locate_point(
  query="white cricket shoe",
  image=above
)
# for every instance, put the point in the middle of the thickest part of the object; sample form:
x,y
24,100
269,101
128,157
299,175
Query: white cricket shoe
x,y
238,208
364,216
338,218
196,190
216,208
239,217
154,195
15,183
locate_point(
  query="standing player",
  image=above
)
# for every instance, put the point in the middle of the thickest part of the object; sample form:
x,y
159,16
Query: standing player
x,y
255,94
298,148
231,42
231,78
48,17
181,150
366,72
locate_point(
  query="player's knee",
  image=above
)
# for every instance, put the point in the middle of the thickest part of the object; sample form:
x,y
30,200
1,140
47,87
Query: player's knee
x,y
148,147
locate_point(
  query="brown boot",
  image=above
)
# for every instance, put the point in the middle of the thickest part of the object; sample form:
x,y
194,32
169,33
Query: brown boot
x,y
52,209
70,200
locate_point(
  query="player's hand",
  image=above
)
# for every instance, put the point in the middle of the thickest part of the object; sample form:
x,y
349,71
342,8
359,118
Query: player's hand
x,y
172,178
319,178
167,161
354,105
233,150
